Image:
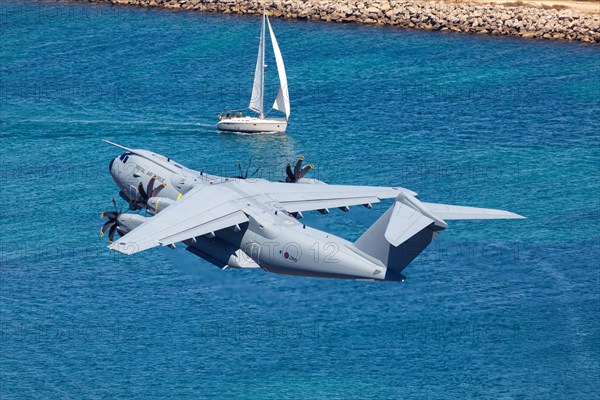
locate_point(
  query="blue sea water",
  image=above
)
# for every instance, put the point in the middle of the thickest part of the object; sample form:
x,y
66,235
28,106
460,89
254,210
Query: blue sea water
x,y
493,309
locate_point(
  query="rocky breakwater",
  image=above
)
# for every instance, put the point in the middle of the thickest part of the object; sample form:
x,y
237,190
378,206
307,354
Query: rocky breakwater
x,y
511,19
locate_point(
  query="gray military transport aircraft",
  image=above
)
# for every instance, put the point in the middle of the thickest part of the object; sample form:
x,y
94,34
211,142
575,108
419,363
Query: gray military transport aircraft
x,y
242,222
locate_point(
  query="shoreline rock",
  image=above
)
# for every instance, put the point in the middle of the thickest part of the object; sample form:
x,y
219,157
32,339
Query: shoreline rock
x,y
502,20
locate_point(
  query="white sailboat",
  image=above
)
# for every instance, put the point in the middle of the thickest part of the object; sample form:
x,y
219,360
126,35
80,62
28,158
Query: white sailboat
x,y
235,121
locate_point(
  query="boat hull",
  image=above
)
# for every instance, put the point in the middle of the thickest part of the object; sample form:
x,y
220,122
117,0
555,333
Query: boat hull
x,y
252,125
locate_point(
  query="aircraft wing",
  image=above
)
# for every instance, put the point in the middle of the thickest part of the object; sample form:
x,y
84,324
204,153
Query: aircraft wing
x,y
296,197
202,210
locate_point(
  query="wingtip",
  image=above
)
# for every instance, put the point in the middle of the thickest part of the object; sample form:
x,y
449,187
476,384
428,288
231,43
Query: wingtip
x,y
124,248
503,214
512,215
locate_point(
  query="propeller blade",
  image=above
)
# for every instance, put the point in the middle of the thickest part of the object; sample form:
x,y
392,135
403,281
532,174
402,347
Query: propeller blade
x,y
305,170
255,171
114,203
109,215
290,175
239,165
142,192
247,168
105,227
157,190
111,232
297,167
150,186
133,205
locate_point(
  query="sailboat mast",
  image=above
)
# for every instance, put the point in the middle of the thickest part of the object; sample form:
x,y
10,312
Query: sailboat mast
x,y
262,83
258,90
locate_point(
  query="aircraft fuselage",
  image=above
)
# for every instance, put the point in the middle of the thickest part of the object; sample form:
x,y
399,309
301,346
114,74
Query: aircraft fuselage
x,y
272,239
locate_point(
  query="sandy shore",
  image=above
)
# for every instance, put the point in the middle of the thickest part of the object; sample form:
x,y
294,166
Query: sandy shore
x,y
592,7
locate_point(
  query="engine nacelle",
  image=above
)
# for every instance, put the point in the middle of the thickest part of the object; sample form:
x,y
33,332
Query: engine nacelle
x,y
310,181
157,204
128,222
183,184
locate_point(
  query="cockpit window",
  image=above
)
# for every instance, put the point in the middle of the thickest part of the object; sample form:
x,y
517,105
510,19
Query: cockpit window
x,y
124,157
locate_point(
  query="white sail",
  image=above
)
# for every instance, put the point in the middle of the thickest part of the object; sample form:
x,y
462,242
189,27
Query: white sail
x,y
282,101
258,91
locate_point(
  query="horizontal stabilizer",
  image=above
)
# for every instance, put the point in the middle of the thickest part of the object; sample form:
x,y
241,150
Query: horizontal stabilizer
x,y
404,223
446,211
409,226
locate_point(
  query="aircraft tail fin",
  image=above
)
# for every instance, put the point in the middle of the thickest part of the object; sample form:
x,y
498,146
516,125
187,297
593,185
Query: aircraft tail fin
x,y
399,236
409,226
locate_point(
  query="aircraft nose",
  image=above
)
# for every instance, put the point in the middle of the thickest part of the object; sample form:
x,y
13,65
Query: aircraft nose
x,y
111,165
